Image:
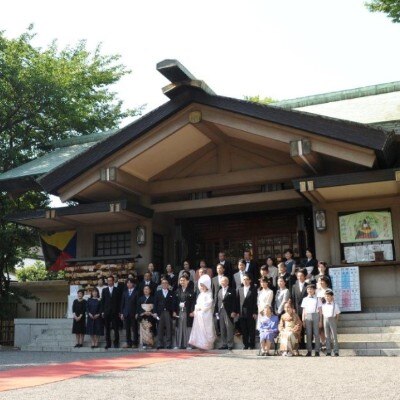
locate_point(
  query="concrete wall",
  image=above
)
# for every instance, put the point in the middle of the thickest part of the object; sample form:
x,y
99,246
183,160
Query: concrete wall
x,y
45,291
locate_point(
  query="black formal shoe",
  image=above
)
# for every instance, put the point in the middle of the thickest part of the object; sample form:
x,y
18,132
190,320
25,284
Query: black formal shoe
x,y
336,354
230,348
92,347
317,354
160,347
169,347
77,345
107,347
223,348
308,354
245,348
116,346
251,348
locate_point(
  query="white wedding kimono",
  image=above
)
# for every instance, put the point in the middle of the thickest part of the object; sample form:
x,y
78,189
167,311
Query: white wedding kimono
x,y
203,331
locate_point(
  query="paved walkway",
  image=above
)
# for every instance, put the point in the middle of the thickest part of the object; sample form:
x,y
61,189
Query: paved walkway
x,y
238,375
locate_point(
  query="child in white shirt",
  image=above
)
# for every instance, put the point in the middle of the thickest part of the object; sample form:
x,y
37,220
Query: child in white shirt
x,y
312,319
330,312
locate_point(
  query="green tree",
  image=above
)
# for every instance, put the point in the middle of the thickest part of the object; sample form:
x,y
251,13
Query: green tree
x,y
389,7
47,94
32,273
258,99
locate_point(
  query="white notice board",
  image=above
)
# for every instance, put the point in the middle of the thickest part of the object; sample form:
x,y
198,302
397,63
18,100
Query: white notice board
x,y
346,287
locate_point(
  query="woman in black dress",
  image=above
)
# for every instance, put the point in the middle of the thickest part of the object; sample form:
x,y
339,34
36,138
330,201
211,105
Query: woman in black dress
x,y
79,312
94,322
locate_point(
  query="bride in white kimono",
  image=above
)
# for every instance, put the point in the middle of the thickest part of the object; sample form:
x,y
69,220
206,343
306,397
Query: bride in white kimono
x,y
203,331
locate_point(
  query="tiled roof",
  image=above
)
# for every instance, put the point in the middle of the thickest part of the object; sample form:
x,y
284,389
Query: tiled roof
x,y
372,90
64,150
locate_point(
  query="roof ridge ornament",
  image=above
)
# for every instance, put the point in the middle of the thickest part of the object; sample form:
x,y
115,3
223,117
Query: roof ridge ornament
x,y
181,79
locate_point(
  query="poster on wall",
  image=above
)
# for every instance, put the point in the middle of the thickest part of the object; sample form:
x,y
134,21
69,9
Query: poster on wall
x,y
346,287
365,226
366,252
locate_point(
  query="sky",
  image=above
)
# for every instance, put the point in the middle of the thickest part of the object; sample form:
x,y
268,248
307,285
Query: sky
x,y
279,49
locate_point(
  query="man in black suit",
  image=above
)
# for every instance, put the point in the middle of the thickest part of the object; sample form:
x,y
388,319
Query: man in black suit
x,y
128,312
164,306
251,266
247,307
299,291
216,281
147,282
226,264
110,302
172,278
225,311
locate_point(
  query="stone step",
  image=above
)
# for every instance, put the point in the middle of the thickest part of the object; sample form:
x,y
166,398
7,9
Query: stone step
x,y
392,352
369,329
370,337
369,345
370,316
369,323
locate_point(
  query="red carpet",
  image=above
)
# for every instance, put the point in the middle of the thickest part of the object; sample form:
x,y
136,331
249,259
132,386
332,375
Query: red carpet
x,y
34,376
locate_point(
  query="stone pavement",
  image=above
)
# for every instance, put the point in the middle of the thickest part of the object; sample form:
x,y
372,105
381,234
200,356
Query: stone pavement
x,y
238,375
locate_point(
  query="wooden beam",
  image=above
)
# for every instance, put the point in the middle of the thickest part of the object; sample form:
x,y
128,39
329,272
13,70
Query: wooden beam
x,y
123,181
262,161
302,153
184,163
237,178
278,136
245,199
224,158
212,132
196,162
275,156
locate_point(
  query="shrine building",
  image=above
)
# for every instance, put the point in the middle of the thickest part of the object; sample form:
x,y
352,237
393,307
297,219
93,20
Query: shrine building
x,y
204,173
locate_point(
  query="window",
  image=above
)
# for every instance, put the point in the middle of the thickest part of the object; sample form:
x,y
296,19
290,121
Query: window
x,y
113,244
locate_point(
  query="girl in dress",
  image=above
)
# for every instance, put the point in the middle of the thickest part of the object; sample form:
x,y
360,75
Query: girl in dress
x,y
94,322
203,331
79,312
268,329
290,331
146,318
265,297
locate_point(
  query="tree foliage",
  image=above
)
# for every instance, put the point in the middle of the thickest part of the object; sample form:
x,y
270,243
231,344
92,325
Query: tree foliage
x,y
389,7
37,272
45,95
258,99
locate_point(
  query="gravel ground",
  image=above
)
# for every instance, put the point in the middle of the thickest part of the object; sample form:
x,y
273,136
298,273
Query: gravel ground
x,y
235,376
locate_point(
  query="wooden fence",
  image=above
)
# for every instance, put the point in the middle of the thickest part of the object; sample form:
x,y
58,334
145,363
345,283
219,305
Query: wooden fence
x,y
51,309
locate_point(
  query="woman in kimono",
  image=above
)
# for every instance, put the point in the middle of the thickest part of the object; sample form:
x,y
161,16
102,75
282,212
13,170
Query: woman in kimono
x,y
268,326
146,319
290,331
183,312
203,331
94,322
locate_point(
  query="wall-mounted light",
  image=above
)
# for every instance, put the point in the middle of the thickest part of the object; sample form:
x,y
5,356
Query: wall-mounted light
x,y
320,220
141,235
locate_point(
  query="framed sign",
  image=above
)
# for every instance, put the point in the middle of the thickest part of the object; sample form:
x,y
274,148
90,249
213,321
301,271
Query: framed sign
x,y
366,226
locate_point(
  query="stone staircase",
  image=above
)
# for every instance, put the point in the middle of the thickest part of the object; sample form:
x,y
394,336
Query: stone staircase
x,y
361,334
370,334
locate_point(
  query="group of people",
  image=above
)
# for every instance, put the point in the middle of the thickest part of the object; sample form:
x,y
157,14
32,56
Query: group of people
x,y
283,303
